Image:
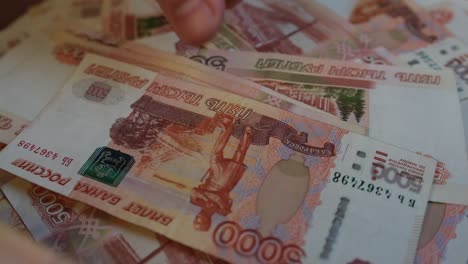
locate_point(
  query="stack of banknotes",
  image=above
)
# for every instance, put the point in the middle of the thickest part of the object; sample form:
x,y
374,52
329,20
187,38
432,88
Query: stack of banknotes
x,y
306,131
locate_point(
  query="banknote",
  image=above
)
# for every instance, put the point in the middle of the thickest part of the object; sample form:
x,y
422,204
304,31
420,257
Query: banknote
x,y
30,75
350,105
167,41
84,9
40,16
329,36
127,20
356,94
358,49
226,39
444,236
182,68
429,3
292,27
450,54
444,151
19,30
348,102
340,49
10,126
41,55
243,181
262,25
88,235
24,67
9,216
452,15
400,26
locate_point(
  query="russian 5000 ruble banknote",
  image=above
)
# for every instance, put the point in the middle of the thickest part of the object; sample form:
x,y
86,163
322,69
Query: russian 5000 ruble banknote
x,y
87,235
294,27
241,180
444,235
67,226
127,20
26,66
399,26
394,103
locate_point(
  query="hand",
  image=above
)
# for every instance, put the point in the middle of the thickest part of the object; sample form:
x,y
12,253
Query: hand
x,y
195,21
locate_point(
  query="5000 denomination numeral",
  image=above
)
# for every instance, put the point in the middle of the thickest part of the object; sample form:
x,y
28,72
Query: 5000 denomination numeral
x,y
249,242
57,212
392,176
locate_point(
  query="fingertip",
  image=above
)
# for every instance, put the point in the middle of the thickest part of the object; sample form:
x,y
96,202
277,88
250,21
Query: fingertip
x,y
231,3
195,21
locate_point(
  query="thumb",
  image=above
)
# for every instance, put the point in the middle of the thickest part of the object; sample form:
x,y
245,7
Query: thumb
x,y
195,21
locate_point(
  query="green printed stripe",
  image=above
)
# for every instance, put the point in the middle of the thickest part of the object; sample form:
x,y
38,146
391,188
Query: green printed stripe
x,y
302,78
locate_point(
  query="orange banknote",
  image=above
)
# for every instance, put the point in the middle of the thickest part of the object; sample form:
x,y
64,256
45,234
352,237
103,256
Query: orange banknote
x,y
444,236
373,96
45,214
9,216
243,181
400,26
453,15
293,27
87,235
132,19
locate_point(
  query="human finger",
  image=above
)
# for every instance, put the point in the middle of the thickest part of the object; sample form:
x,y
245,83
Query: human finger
x,y
195,21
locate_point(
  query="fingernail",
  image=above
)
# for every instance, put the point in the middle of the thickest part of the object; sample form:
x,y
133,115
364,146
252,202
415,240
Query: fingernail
x,y
190,6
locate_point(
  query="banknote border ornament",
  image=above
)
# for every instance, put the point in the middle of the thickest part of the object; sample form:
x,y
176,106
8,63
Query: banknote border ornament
x,y
217,62
105,160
